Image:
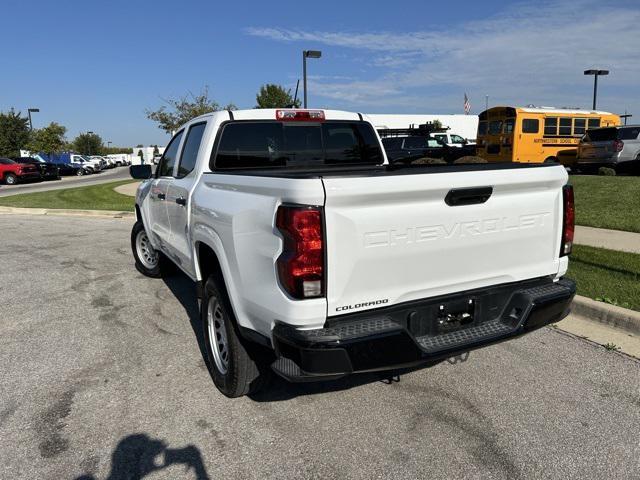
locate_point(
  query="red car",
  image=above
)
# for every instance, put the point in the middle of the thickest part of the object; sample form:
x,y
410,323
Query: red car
x,y
12,172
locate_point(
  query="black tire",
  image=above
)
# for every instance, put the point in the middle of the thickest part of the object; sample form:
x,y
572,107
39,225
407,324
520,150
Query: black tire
x,y
551,160
142,265
247,369
80,172
10,179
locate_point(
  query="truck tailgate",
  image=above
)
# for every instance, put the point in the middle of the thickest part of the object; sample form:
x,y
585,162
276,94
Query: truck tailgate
x,y
393,238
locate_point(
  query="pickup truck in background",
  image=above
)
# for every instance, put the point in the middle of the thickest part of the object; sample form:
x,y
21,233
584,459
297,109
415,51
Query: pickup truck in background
x,y
315,259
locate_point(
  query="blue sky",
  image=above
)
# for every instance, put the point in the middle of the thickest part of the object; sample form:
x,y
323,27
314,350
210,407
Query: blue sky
x,y
97,65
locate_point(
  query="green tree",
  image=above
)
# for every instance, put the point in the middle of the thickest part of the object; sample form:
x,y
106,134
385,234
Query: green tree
x,y
49,139
14,133
178,111
88,144
275,96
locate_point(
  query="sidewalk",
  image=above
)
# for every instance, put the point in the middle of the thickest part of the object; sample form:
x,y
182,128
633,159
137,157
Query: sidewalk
x,y
611,239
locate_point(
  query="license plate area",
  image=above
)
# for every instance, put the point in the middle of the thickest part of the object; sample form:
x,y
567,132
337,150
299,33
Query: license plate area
x,y
455,315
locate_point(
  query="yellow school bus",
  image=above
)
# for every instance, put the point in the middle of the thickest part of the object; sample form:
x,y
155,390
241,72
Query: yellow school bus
x,y
535,134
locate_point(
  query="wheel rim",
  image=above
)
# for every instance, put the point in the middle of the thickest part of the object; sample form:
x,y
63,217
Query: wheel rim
x,y
218,335
146,253
10,180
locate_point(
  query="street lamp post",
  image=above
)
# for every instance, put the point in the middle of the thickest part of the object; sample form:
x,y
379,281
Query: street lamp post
x,y
32,110
307,54
89,143
596,74
109,145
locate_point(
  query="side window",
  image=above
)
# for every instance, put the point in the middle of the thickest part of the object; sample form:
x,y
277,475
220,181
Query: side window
x,y
594,122
495,127
415,142
551,126
565,126
482,128
190,150
433,143
443,137
530,125
629,133
168,160
579,126
456,139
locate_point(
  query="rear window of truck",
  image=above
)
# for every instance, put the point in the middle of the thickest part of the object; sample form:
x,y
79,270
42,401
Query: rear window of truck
x,y
273,144
601,135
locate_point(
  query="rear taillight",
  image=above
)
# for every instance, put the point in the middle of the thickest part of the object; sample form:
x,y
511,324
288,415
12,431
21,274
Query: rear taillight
x,y
618,145
568,220
300,115
301,264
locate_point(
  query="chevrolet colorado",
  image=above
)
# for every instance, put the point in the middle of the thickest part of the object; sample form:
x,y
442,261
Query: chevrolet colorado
x,y
315,258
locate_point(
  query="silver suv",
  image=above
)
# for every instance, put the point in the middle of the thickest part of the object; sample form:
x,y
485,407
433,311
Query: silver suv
x,y
614,147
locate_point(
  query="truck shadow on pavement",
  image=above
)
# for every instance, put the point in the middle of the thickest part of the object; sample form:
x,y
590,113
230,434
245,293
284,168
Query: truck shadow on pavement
x,y
184,289
138,455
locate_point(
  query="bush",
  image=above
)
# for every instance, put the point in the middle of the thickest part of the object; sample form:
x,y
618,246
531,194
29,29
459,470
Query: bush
x,y
470,159
607,172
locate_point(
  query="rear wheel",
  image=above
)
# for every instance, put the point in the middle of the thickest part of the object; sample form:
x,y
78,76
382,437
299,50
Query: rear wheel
x,y
236,366
10,179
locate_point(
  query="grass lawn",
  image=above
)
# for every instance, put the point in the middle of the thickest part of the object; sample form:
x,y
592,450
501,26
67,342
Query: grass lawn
x,y
92,197
607,202
606,275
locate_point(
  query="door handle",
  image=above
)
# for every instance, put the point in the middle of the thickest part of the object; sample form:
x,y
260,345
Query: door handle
x,y
162,196
468,196
181,201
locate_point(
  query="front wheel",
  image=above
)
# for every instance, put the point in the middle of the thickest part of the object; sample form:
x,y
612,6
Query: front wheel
x,y
234,364
147,258
10,179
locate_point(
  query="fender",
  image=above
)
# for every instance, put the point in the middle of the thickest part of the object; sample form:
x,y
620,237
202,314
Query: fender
x,y
204,234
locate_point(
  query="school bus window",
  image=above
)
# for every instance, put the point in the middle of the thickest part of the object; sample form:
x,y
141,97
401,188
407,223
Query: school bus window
x,y
594,122
482,128
565,126
530,125
495,127
508,125
579,126
551,126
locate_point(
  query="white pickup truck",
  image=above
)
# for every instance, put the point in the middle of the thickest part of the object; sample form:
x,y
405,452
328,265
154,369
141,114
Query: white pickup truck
x,y
316,259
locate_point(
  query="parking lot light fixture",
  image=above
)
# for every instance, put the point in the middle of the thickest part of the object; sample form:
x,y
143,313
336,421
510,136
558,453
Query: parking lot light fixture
x,y
307,54
596,73
30,111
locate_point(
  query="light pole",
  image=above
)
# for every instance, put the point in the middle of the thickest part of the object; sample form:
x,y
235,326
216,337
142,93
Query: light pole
x,y
89,143
32,110
596,74
109,145
307,54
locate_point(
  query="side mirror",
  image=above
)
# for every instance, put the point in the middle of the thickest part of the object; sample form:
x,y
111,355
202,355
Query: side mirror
x,y
140,172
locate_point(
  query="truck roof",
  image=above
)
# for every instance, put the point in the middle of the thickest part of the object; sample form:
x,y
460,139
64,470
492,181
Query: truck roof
x,y
270,114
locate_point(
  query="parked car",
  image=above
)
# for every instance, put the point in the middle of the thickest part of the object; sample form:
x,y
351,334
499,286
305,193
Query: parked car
x,y
614,147
315,259
73,169
454,140
105,161
413,147
94,164
12,172
48,170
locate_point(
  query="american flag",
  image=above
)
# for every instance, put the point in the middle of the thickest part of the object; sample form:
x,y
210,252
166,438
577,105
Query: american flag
x,y
467,105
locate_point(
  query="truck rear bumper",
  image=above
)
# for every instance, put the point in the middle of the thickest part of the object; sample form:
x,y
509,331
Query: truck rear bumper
x,y
419,333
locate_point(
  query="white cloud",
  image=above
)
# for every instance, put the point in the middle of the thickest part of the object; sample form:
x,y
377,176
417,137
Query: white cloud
x,y
530,53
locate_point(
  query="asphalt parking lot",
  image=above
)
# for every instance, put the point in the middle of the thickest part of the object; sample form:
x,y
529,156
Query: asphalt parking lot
x,y
102,377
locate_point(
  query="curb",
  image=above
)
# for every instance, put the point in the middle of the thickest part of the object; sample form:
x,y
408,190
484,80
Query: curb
x,y
68,213
612,315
